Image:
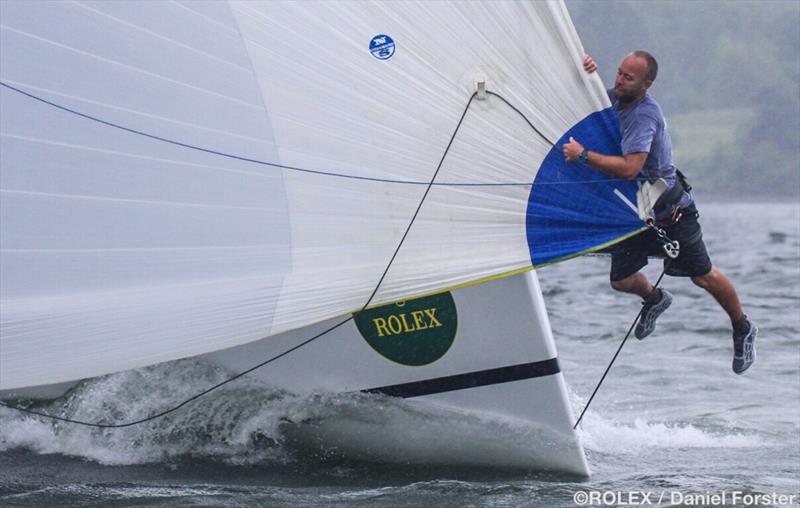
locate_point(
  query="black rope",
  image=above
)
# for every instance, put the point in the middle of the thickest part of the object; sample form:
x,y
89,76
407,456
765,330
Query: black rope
x,y
295,348
520,113
616,354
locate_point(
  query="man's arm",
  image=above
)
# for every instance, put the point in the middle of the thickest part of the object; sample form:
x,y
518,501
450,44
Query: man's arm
x,y
625,166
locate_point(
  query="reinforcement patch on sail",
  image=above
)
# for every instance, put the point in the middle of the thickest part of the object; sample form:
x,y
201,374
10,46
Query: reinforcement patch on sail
x,y
572,208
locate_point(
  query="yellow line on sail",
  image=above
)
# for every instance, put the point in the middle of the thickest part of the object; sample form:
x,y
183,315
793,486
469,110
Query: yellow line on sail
x,y
516,271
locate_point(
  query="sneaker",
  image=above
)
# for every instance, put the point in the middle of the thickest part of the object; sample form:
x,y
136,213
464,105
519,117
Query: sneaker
x,y
744,348
650,312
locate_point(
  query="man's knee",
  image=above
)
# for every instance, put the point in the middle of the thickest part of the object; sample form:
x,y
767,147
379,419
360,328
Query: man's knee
x,y
619,285
705,281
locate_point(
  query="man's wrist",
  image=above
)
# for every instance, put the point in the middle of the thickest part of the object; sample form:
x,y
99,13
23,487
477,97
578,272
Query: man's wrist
x,y
584,156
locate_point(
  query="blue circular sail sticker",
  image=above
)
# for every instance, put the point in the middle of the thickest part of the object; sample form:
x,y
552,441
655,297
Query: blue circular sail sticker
x,y
382,47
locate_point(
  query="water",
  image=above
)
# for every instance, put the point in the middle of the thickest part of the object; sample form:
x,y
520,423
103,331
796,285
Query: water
x,y
670,418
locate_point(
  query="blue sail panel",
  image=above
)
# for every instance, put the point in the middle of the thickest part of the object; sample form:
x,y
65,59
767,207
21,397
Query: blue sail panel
x,y
573,208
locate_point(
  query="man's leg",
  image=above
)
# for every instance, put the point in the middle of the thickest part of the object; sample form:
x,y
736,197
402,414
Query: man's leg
x,y
744,331
721,288
655,301
636,284
627,260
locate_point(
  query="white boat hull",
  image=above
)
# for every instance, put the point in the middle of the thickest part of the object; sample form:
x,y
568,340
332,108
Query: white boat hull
x,y
500,366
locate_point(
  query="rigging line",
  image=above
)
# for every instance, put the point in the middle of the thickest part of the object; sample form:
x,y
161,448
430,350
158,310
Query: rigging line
x,y
307,170
635,320
288,351
424,196
520,113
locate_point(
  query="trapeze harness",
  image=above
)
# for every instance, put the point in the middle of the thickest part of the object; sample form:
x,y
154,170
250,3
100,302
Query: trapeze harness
x,y
666,205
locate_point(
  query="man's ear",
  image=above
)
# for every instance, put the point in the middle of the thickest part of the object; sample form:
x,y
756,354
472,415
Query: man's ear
x,y
647,83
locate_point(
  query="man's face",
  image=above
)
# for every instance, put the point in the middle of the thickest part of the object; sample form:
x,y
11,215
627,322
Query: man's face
x,y
630,83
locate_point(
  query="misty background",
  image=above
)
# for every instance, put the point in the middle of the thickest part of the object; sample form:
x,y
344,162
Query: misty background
x,y
728,82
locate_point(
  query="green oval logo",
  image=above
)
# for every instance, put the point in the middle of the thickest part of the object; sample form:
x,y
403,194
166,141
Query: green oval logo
x,y
411,332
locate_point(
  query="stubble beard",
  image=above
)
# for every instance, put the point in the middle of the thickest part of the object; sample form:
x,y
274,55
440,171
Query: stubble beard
x,y
624,97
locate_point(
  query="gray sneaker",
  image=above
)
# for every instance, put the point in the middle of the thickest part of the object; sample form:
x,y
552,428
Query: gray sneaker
x,y
650,312
744,348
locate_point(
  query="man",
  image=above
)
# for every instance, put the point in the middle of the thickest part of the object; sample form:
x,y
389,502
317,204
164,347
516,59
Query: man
x,y
647,155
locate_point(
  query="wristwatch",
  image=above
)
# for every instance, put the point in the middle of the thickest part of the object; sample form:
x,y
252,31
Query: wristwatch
x,y
584,156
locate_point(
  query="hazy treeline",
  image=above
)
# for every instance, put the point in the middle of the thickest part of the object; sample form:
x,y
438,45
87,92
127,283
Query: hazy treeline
x,y
729,83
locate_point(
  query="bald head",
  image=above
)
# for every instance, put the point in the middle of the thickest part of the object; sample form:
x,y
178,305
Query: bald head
x,y
652,65
634,77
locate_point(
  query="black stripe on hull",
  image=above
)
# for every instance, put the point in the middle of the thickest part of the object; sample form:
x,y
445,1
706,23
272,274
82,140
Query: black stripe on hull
x,y
470,379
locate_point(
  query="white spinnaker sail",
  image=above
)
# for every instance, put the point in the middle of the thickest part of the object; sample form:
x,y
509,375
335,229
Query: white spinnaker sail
x,y
120,248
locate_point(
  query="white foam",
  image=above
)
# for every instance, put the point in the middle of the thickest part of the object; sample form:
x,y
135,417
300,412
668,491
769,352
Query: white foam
x,y
609,436
603,434
221,425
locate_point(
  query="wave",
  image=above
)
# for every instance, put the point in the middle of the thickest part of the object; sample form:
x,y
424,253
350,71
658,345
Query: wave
x,y
236,422
249,423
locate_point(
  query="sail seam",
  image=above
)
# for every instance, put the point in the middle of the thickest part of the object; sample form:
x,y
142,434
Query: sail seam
x,y
128,67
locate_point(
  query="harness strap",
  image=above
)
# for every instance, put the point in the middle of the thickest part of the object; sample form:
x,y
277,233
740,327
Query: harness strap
x,y
683,180
670,198
667,203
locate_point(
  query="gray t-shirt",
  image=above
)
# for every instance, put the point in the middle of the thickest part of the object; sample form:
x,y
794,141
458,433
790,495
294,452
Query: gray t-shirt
x,y
644,129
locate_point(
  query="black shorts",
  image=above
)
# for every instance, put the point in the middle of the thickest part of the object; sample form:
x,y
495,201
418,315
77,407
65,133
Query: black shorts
x,y
630,256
